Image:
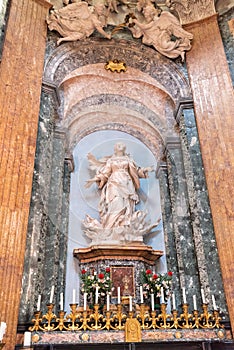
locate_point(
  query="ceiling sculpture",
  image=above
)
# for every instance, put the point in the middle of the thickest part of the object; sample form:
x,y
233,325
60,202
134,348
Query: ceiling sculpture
x,y
155,24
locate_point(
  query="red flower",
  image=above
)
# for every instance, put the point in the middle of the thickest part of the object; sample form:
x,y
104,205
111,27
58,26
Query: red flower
x,y
148,272
155,276
101,276
83,271
107,269
170,273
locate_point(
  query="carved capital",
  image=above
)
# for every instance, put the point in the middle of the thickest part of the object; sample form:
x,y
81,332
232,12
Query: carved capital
x,y
191,11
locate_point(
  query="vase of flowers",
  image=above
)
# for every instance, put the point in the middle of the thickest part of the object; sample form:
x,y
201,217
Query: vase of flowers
x,y
154,283
91,280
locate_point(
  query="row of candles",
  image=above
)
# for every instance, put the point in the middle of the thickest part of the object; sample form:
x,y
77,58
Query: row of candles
x,y
130,299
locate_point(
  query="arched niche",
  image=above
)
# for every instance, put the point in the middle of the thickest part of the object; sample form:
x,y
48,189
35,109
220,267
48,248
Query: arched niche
x,y
85,201
79,99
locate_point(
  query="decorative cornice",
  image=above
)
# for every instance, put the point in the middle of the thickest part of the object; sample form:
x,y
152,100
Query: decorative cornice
x,y
51,88
138,252
161,166
183,104
172,142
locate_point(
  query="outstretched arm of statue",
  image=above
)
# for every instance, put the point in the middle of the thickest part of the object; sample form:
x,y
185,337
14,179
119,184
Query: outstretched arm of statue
x,y
89,183
143,172
99,180
102,31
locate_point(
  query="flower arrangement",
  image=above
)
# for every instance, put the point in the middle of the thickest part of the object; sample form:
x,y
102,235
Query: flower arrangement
x,y
153,283
91,279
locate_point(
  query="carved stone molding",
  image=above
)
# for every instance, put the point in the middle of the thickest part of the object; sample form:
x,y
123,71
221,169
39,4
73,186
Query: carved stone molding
x,y
138,252
191,11
183,104
51,88
172,142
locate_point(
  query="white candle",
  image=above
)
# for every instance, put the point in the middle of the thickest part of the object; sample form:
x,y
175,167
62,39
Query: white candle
x,y
162,296
194,302
2,330
203,297
73,296
152,302
96,296
141,294
173,302
85,301
27,338
130,303
184,296
214,302
108,302
51,294
118,289
39,302
61,301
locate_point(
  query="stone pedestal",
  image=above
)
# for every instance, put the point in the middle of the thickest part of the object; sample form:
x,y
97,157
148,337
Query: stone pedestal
x,y
126,265
133,252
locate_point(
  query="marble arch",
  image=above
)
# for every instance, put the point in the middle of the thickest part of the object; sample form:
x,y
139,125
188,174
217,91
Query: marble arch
x,y
141,101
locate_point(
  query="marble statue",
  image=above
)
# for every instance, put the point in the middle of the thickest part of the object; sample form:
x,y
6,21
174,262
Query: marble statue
x,y
78,21
162,30
117,177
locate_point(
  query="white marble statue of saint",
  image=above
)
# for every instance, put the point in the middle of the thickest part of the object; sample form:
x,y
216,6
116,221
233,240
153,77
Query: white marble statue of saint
x,y
117,177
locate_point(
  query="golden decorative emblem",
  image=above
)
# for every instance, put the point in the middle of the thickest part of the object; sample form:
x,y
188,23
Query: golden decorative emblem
x,y
35,338
132,330
178,335
221,334
116,66
85,337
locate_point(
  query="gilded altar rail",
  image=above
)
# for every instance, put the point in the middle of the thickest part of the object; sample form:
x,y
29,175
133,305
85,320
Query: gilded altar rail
x,y
95,319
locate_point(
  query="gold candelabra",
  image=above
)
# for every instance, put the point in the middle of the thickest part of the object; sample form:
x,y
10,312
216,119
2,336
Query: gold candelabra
x,y
96,319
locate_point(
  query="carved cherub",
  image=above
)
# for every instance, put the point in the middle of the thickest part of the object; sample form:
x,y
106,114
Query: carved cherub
x,y
162,30
78,21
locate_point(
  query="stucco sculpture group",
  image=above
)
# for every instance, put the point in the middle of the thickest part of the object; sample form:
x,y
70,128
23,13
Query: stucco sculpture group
x,y
117,177
160,29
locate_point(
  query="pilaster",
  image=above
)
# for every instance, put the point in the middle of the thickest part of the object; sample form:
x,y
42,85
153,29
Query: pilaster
x,y
20,84
214,103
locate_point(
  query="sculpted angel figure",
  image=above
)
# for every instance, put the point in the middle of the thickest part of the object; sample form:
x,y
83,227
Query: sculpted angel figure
x,y
118,179
162,30
78,21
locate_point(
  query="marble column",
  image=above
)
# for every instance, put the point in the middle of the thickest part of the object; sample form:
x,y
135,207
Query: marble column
x,y
168,228
45,256
182,234
201,219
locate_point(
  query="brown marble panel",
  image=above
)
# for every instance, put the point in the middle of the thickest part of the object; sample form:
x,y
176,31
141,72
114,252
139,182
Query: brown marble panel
x,y
214,103
20,82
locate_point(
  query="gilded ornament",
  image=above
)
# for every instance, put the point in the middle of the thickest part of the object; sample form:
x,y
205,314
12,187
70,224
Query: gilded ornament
x,y
132,330
35,338
116,66
178,335
221,333
85,337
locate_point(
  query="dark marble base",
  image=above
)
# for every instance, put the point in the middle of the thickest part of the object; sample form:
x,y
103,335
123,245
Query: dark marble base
x,y
205,345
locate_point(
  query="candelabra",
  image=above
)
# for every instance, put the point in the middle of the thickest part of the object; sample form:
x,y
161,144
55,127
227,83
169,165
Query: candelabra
x,y
96,319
